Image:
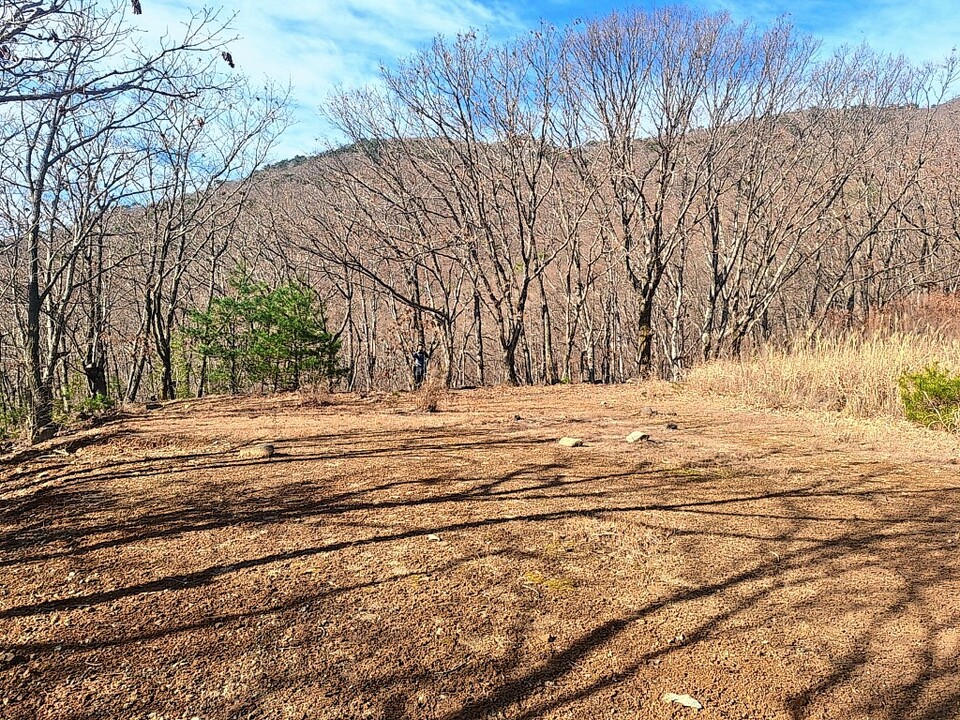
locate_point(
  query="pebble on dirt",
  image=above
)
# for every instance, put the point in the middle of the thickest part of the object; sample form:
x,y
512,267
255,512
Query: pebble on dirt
x,y
684,700
570,442
637,436
263,451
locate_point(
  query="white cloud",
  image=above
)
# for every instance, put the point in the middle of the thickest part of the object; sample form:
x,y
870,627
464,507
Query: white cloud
x,y
317,45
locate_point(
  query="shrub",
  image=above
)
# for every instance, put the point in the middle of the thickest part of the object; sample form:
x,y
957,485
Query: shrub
x,y
931,397
316,394
12,422
95,406
75,404
430,395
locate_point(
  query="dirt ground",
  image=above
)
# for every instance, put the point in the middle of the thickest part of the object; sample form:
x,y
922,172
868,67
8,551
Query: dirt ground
x,y
389,563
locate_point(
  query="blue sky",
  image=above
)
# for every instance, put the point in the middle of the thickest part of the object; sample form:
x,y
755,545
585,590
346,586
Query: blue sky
x,y
317,44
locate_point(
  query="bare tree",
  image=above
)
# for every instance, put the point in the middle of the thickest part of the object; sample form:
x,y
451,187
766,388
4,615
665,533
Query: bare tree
x,y
73,76
200,152
648,81
627,196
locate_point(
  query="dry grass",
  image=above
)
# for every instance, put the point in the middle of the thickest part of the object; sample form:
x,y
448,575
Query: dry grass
x,y
856,375
317,394
431,395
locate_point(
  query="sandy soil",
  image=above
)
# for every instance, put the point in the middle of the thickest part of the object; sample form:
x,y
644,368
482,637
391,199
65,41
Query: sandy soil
x,y
388,563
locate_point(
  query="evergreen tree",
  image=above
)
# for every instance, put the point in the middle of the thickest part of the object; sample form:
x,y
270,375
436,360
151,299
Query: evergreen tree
x,y
276,339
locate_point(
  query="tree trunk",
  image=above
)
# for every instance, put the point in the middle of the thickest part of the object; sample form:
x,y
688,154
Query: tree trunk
x,y
39,383
40,389
168,390
645,338
478,322
549,365
510,344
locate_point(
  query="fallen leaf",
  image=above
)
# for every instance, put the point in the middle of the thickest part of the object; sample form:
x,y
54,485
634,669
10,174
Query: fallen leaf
x,y
684,700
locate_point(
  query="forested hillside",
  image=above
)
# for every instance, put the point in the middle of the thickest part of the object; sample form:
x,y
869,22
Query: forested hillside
x,y
629,196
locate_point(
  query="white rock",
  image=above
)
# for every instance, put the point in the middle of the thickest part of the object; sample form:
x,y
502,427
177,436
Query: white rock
x,y
257,452
684,700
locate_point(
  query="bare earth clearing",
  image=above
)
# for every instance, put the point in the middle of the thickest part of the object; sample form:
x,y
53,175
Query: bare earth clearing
x,y
392,564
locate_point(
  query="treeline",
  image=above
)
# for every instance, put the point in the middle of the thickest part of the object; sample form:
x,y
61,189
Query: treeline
x,y
123,160
624,197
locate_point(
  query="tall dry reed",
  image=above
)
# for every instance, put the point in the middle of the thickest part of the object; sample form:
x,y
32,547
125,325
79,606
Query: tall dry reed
x,y
853,374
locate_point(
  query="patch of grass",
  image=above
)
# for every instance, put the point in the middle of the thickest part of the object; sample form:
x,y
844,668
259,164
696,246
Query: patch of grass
x,y
855,375
931,397
317,394
559,549
557,584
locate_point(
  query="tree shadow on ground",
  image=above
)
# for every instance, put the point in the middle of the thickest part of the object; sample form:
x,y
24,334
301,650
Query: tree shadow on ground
x,y
849,567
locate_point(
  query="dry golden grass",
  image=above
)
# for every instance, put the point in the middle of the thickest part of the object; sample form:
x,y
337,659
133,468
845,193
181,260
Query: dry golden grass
x,y
317,394
431,395
855,374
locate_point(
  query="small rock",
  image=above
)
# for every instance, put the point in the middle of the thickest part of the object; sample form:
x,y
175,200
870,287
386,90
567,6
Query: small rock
x,y
517,417
648,411
570,442
433,537
671,426
637,436
684,700
257,452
